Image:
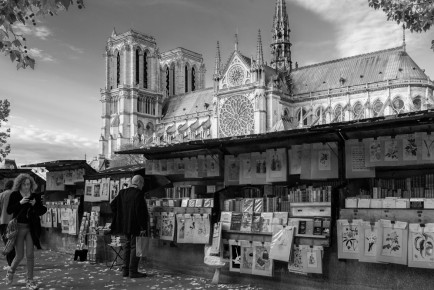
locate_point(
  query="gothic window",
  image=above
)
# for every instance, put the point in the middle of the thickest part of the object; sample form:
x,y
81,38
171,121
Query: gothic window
x,y
301,117
321,115
193,79
236,117
114,104
186,78
173,80
417,103
286,113
137,66
153,107
338,114
358,111
376,108
145,70
118,69
139,105
167,80
398,105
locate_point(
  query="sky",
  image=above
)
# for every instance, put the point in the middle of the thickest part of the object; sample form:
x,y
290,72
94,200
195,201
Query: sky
x,y
56,109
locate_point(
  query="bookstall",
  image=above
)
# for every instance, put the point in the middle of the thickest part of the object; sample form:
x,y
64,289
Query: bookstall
x,y
63,198
280,204
7,174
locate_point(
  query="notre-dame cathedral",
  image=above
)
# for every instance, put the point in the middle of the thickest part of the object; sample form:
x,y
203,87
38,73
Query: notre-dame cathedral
x,y
156,98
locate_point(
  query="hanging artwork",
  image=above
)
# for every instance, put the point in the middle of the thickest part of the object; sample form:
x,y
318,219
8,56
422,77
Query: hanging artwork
x,y
232,170
105,189
201,166
421,246
88,190
374,152
348,239
55,181
149,167
235,256
246,257
295,264
216,245
410,147
259,164
294,157
262,264
276,165
246,222
393,242
163,166
64,213
79,175
190,228
170,167
324,160
355,160
114,189
212,165
306,162
156,167
369,242
167,226
427,140
202,229
392,151
178,166
97,190
281,243
312,258
191,169
267,218
72,224
180,228
246,168
54,215
68,176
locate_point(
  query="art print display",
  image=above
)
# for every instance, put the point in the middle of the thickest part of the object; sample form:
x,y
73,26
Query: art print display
x,y
410,147
167,230
427,155
179,166
79,175
73,221
212,165
202,229
216,244
262,263
246,257
163,166
348,239
281,243
170,166
232,170
190,228
64,214
312,258
246,168
324,160
355,160
369,242
392,150
201,166
294,155
114,189
235,256
374,151
276,165
295,264
149,164
105,189
191,168
306,162
259,165
393,242
68,176
55,181
180,228
421,245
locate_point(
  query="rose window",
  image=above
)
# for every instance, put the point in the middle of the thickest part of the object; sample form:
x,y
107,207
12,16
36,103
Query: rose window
x,y
236,117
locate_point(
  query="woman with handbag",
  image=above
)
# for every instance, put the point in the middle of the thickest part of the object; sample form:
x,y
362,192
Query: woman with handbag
x,y
26,207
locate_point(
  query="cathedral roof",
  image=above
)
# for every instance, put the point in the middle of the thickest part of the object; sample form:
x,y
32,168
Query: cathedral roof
x,y
378,66
191,103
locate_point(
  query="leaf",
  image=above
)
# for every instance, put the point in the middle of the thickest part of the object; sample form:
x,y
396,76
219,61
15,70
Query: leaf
x,y
12,55
30,62
16,42
65,3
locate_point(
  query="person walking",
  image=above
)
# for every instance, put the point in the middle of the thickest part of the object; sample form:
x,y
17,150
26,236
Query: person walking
x,y
5,218
130,218
26,207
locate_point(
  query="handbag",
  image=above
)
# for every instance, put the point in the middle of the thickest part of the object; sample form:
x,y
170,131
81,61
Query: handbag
x,y
142,245
11,234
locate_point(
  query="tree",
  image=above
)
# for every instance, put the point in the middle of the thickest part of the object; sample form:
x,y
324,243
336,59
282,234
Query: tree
x,y
415,15
126,159
5,148
26,12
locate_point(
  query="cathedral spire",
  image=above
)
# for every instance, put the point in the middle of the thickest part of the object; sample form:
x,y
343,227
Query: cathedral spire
x,y
217,61
259,51
114,33
236,41
281,46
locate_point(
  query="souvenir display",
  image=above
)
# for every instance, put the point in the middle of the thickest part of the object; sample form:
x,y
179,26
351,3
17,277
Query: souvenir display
x,y
348,239
421,245
276,165
355,164
393,241
232,170
235,256
281,243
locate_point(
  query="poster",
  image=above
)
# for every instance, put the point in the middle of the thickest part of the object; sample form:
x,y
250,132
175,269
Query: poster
x,y
170,166
294,157
72,223
232,170
262,264
306,162
348,239
369,242
392,151
393,241
149,167
190,228
246,168
88,190
105,189
178,165
64,213
427,140
68,177
355,160
201,166
55,181
324,160
411,148
295,264
167,226
191,167
420,245
259,164
246,257
97,190
276,165
202,229
180,228
212,165
235,256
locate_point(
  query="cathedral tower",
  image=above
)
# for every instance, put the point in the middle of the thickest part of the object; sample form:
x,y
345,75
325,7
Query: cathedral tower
x,y
281,47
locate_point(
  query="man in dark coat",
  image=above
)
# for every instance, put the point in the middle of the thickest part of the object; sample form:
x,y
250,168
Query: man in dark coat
x,y
130,217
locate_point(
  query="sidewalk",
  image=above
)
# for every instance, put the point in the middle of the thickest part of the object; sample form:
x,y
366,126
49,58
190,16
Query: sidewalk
x,y
59,271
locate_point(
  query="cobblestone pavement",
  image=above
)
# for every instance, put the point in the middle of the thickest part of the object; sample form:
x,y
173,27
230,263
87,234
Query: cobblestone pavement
x,y
55,270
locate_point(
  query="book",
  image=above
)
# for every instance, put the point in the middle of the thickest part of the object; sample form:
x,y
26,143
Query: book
x,y
309,227
191,202
248,205
257,223
208,202
225,220
246,222
199,202
236,221
302,228
267,218
184,202
326,226
317,226
259,205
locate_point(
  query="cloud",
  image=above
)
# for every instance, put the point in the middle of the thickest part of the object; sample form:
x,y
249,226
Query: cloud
x,y
31,144
73,48
41,32
359,28
40,54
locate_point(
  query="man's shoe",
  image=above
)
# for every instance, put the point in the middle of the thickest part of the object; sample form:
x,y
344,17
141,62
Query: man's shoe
x,y
138,275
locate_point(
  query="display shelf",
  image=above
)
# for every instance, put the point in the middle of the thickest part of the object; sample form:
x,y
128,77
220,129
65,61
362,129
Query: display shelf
x,y
181,210
249,236
374,214
312,236
310,209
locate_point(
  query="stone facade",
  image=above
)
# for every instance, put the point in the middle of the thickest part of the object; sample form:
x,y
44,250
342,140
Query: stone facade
x,y
153,98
